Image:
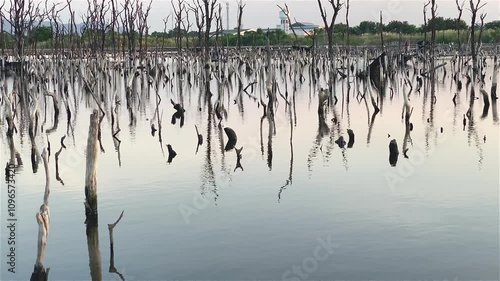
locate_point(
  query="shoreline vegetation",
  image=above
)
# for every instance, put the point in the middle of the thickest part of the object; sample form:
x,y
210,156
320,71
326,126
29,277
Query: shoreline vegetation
x,y
45,39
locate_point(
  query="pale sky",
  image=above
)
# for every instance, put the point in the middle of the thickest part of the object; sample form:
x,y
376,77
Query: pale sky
x,y
264,14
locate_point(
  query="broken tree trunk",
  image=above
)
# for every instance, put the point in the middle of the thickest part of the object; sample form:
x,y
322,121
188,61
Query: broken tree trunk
x,y
43,219
91,172
494,80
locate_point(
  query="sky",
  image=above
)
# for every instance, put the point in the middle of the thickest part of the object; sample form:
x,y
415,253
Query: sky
x,y
264,13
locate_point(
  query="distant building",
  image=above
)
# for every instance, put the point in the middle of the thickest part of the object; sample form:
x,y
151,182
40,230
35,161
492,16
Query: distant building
x,y
284,23
300,28
233,31
303,28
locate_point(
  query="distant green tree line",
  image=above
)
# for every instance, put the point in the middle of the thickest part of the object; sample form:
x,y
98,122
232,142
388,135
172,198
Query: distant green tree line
x,y
364,33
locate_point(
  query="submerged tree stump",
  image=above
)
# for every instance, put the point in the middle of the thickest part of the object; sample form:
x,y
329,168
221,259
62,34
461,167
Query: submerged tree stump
x,y
393,153
91,167
350,143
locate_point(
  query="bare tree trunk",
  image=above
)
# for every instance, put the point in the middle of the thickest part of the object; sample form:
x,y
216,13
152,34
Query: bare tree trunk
x,y
286,11
91,169
43,219
381,27
460,8
474,9
329,27
241,6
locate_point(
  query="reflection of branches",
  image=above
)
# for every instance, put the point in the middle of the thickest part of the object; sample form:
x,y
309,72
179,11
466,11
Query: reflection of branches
x,y
370,127
408,113
486,104
56,112
35,156
112,268
116,141
322,131
57,160
472,132
261,134
208,175
92,232
289,180
270,134
494,111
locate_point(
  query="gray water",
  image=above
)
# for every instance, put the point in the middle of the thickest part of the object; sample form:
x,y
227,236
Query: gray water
x,y
434,216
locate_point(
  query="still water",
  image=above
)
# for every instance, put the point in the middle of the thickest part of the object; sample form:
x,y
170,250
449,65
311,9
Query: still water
x,y
300,208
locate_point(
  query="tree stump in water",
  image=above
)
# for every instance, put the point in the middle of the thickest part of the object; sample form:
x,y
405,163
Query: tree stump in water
x,y
350,143
40,273
231,138
91,167
393,152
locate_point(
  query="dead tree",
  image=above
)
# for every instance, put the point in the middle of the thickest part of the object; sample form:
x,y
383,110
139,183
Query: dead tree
x,y
347,23
186,25
460,8
142,25
433,29
22,15
218,26
114,18
2,17
178,12
209,7
165,22
103,25
473,48
425,21
329,27
91,168
40,273
72,27
241,6
481,27
286,11
381,28
128,20
199,17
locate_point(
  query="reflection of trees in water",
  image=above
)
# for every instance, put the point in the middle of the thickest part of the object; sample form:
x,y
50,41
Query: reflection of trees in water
x,y
139,93
472,134
208,174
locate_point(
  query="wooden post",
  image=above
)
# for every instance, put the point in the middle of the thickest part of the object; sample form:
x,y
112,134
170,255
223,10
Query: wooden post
x,y
91,172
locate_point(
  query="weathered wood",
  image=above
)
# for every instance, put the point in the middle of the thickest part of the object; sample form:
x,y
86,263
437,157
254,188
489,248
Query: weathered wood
x,y
393,152
43,219
350,143
171,153
231,138
433,69
91,166
494,80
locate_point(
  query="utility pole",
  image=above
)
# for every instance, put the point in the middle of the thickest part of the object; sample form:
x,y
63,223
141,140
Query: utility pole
x,y
227,15
227,23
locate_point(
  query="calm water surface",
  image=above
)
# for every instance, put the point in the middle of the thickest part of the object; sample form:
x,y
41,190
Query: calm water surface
x,y
434,216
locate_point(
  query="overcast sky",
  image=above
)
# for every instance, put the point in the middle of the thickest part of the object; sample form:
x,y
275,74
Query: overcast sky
x,y
264,13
